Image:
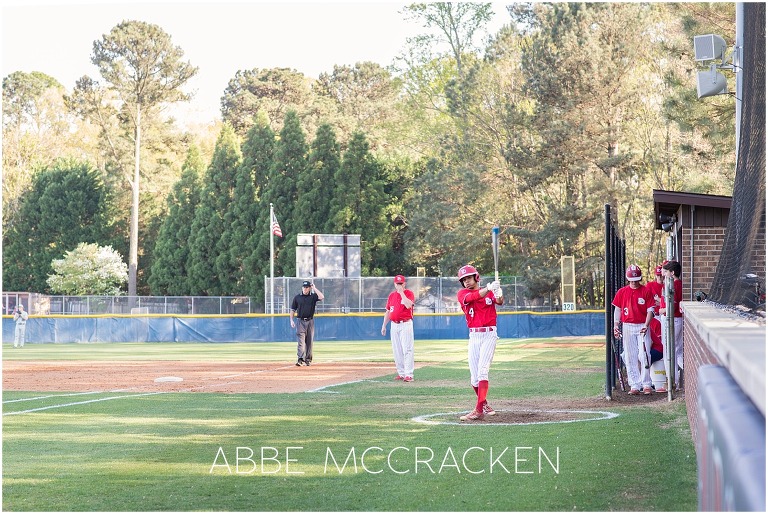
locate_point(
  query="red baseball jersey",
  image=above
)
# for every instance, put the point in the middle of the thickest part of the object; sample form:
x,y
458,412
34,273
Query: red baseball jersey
x,y
634,303
480,312
655,330
678,298
657,290
397,311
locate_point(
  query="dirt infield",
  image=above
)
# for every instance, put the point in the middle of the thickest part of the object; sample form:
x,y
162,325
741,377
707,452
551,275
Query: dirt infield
x,y
141,376
272,377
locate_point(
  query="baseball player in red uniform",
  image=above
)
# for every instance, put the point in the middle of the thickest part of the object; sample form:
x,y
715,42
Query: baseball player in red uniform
x,y
656,288
674,269
633,307
479,306
400,313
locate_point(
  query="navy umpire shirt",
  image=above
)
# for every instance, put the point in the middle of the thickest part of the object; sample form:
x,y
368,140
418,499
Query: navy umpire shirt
x,y
304,305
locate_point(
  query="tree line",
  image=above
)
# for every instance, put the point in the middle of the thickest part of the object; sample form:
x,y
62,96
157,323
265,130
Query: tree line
x,y
567,108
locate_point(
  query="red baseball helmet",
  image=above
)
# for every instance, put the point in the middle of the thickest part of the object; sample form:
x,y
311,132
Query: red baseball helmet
x,y
468,270
634,273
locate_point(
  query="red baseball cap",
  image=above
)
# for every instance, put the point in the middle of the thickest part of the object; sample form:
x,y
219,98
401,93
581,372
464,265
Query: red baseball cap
x,y
658,271
399,279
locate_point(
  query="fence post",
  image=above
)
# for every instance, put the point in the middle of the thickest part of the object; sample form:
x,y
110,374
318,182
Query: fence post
x,y
609,381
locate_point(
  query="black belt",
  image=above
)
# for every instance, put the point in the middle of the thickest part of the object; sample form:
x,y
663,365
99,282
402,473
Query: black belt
x,y
306,319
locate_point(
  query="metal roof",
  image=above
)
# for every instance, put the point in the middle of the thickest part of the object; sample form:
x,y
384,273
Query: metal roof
x,y
668,202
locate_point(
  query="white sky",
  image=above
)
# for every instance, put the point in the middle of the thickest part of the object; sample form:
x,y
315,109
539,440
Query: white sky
x,y
56,37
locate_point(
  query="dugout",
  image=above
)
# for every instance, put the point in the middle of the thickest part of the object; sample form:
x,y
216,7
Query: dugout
x,y
701,226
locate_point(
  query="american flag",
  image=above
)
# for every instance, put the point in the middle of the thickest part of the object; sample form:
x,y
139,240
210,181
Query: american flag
x,y
276,226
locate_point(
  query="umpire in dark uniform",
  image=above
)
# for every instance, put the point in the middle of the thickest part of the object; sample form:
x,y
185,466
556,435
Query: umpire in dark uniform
x,y
303,307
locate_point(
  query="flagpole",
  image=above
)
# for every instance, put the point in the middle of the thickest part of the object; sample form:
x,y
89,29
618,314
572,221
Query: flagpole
x,y
271,262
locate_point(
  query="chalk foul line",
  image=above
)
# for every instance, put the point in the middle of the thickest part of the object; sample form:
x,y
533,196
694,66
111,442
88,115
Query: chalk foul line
x,y
84,402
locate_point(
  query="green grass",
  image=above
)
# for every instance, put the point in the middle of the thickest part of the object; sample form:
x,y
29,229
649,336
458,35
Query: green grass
x,y
157,453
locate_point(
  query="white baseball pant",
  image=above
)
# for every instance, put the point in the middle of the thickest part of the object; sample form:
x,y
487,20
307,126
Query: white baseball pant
x,y
482,346
20,334
401,335
637,375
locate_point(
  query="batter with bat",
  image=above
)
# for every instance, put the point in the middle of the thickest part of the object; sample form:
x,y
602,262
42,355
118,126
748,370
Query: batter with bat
x,y
633,308
479,306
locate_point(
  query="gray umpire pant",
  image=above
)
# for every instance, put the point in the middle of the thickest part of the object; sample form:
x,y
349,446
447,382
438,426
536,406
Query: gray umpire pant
x,y
305,334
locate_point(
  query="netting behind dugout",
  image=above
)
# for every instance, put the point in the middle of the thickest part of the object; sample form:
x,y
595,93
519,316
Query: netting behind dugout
x,y
740,275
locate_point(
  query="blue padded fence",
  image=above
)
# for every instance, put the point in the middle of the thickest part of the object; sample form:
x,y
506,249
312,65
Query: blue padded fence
x,y
266,328
730,449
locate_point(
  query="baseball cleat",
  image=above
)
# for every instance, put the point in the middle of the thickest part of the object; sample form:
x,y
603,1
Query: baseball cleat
x,y
398,377
634,391
647,390
661,390
488,410
472,416
408,379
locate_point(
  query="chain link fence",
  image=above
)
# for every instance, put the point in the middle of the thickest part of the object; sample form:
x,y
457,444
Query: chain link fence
x,y
342,295
369,294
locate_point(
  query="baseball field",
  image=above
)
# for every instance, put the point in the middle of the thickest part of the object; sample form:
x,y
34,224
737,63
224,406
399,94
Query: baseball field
x,y
238,427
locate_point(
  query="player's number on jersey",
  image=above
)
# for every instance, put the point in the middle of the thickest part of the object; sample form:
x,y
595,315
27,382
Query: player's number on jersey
x,y
626,311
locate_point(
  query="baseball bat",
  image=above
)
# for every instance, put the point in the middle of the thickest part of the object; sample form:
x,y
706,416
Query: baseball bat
x,y
495,242
645,352
617,363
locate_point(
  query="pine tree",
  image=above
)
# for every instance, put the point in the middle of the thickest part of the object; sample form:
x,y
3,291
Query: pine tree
x,y
258,153
208,263
242,218
289,165
169,271
316,186
359,204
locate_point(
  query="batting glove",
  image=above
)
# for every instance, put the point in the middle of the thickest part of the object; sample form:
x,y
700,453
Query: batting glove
x,y
492,286
498,293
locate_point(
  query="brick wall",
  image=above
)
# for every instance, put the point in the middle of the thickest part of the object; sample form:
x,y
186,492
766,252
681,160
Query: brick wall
x,y
696,354
708,243
713,335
